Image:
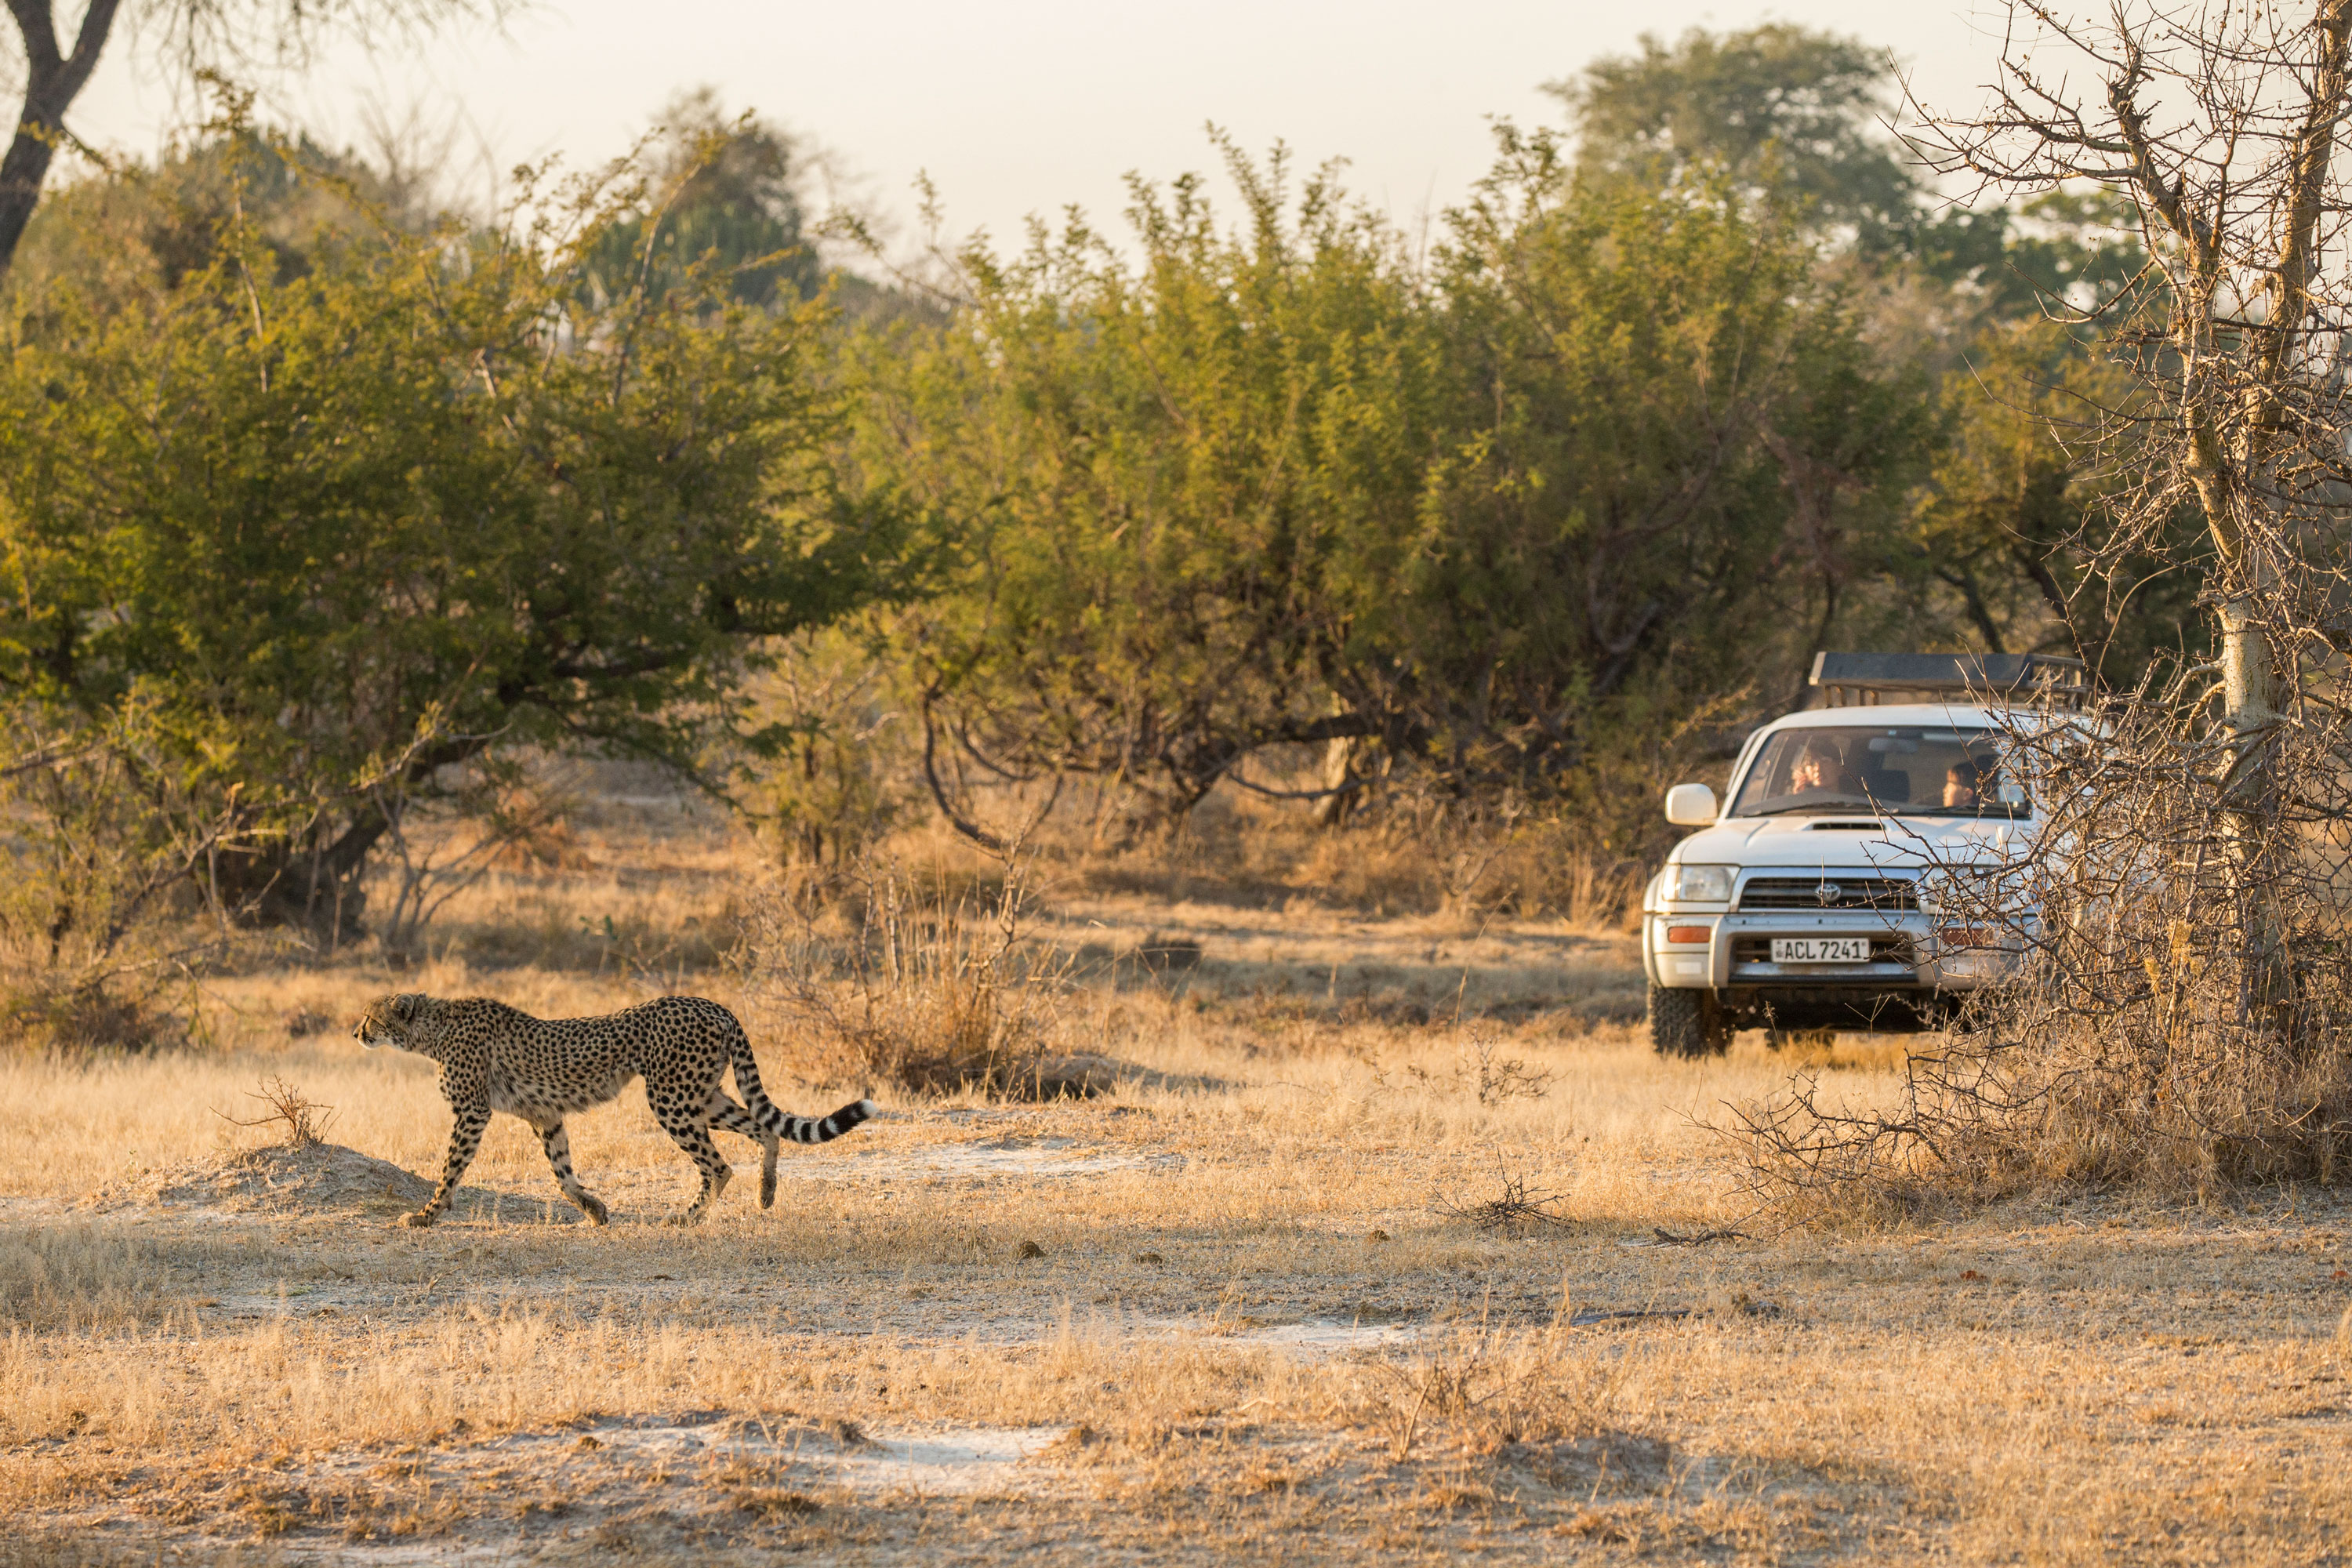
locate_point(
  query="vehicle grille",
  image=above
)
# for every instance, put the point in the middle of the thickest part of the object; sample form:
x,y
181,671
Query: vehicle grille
x,y
1884,948
1850,893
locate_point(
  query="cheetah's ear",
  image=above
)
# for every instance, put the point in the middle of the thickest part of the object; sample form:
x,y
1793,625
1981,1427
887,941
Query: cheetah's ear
x,y
406,1006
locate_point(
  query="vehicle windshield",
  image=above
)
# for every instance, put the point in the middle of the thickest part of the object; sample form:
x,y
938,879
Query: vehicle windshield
x,y
1916,772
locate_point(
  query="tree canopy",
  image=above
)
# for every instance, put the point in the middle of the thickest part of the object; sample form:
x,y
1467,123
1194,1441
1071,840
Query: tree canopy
x,y
1278,482
307,497
717,187
1785,114
329,530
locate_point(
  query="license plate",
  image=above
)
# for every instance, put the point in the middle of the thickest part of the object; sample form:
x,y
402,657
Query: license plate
x,y
1820,950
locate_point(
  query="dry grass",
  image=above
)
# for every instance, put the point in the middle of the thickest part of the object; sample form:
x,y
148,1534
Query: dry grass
x,y
1246,1324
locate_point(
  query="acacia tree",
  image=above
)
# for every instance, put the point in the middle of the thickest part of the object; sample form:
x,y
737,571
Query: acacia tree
x,y
1147,472
1667,424
2219,127
1280,483
194,36
325,535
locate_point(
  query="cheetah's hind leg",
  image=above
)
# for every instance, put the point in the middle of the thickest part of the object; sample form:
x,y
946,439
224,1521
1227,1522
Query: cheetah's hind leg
x,y
558,1144
725,1112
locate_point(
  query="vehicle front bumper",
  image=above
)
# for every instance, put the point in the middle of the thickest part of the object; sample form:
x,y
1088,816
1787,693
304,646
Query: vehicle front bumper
x,y
1908,956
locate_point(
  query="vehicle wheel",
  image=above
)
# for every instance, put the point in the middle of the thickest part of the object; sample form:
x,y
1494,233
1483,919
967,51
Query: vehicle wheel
x,y
1687,1024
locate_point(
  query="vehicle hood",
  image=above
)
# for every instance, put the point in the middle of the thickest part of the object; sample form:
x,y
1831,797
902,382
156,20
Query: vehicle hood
x,y
1905,844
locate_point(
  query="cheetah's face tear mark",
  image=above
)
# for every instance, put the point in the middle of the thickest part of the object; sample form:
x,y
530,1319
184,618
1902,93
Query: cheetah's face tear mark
x,y
387,1019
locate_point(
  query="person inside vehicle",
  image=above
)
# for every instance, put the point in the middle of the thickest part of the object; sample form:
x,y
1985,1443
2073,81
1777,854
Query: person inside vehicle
x,y
1964,786
1819,770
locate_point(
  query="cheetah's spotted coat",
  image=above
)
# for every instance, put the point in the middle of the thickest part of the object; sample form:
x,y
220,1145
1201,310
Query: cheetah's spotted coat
x,y
494,1057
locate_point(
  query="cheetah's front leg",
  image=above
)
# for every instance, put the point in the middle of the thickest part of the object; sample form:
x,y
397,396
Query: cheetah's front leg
x,y
465,1138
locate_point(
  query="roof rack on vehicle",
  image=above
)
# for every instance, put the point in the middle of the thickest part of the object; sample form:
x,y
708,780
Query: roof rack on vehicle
x,y
1866,679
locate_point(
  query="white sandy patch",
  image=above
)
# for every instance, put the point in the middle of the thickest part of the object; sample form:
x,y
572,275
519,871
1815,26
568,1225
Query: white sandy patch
x,y
1015,1158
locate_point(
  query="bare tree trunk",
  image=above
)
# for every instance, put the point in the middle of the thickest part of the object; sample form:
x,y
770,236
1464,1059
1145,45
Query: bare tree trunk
x,y
1338,763
2249,789
52,81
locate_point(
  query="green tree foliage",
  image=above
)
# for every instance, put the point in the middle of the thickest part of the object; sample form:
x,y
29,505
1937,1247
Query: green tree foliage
x,y
1675,448
141,230
837,776
2011,495
1148,471
1787,114
1795,120
326,534
1278,483
2057,252
720,189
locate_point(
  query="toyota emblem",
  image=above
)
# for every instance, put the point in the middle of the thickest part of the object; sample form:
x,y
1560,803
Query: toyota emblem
x,y
1826,894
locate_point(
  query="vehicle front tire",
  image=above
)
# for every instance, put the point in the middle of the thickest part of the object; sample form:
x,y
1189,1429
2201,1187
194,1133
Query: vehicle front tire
x,y
1686,1023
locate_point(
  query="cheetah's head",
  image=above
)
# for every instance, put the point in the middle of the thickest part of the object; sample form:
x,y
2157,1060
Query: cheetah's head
x,y
392,1020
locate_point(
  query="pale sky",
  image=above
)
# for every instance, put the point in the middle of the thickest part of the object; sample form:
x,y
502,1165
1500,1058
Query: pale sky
x,y
1023,106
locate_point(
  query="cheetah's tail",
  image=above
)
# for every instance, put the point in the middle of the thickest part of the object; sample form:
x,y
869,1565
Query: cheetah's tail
x,y
818,1129
799,1129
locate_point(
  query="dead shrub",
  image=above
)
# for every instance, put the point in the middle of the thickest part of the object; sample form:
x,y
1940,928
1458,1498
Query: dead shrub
x,y
287,1108
1514,1209
2178,1010
1484,1072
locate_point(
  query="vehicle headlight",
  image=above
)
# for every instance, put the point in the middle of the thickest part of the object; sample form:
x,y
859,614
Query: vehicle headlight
x,y
1931,887
1699,884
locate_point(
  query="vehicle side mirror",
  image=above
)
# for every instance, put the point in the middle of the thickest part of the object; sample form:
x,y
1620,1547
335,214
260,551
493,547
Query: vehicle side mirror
x,y
1690,805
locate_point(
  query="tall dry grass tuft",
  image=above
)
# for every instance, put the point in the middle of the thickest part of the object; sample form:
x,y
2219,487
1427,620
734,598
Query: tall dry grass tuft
x,y
64,1278
1484,1390
933,984
2177,1011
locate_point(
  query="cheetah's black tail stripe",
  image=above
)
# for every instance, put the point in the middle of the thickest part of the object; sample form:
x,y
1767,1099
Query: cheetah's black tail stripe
x,y
799,1129
814,1129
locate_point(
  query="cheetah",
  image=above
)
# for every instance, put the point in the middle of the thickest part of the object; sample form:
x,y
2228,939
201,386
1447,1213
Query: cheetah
x,y
494,1057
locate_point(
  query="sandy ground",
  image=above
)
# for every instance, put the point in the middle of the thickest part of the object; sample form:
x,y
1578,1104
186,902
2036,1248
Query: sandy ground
x,y
1244,1306
1090,1330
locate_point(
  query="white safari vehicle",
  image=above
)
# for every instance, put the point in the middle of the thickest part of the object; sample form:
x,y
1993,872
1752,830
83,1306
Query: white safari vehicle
x,y
1806,900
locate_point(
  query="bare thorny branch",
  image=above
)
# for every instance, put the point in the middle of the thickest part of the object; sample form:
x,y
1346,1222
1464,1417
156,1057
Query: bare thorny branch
x,y
2179,930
